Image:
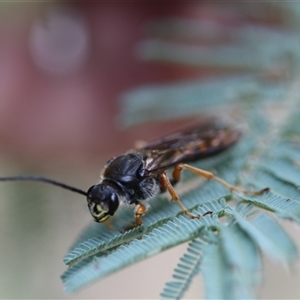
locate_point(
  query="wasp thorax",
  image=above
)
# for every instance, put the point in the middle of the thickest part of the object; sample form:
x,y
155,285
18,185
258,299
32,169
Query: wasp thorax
x,y
103,201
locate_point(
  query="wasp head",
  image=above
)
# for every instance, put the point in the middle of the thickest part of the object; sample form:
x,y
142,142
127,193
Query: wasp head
x,y
103,201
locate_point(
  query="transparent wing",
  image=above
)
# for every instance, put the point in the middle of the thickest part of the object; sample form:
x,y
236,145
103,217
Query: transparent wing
x,y
203,139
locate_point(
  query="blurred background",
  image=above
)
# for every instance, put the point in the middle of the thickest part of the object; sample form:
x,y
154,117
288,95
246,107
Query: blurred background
x,y
63,70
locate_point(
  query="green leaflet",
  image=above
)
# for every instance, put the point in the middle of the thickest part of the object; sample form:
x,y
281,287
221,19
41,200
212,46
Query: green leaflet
x,y
186,269
285,207
141,104
278,169
282,169
230,261
231,266
249,34
252,47
170,234
269,236
258,57
99,240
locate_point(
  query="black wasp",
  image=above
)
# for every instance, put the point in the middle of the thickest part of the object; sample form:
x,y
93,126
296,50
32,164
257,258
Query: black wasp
x,y
140,174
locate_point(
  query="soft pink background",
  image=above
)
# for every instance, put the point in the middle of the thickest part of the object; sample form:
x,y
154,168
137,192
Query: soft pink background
x,y
63,67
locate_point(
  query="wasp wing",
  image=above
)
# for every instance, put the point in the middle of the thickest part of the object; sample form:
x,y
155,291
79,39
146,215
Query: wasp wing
x,y
201,140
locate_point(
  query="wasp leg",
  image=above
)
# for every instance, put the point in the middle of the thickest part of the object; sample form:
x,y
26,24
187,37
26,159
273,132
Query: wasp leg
x,y
166,184
208,175
140,210
108,224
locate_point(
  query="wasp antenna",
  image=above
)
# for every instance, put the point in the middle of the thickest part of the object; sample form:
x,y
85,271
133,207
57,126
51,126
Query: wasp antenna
x,y
43,179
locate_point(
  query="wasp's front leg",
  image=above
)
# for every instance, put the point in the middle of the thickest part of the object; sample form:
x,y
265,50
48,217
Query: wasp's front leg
x,y
140,210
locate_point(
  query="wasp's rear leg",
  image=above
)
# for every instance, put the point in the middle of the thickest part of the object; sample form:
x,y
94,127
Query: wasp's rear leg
x,y
166,185
208,175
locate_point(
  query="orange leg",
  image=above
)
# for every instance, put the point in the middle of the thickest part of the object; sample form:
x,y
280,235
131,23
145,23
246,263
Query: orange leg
x,y
108,224
140,210
166,184
208,175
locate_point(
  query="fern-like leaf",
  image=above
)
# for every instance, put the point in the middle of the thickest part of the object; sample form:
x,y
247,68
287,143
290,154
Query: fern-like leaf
x,y
171,233
186,269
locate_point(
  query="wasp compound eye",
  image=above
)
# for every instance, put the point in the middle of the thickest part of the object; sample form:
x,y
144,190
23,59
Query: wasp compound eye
x,y
103,201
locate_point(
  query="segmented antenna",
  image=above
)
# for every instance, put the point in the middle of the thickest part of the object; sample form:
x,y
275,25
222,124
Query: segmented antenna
x,y
43,179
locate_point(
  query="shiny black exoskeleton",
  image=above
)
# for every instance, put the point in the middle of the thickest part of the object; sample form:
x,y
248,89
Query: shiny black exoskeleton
x,y
124,178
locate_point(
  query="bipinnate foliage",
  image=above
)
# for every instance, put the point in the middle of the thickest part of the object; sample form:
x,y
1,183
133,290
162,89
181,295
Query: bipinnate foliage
x,y
226,246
